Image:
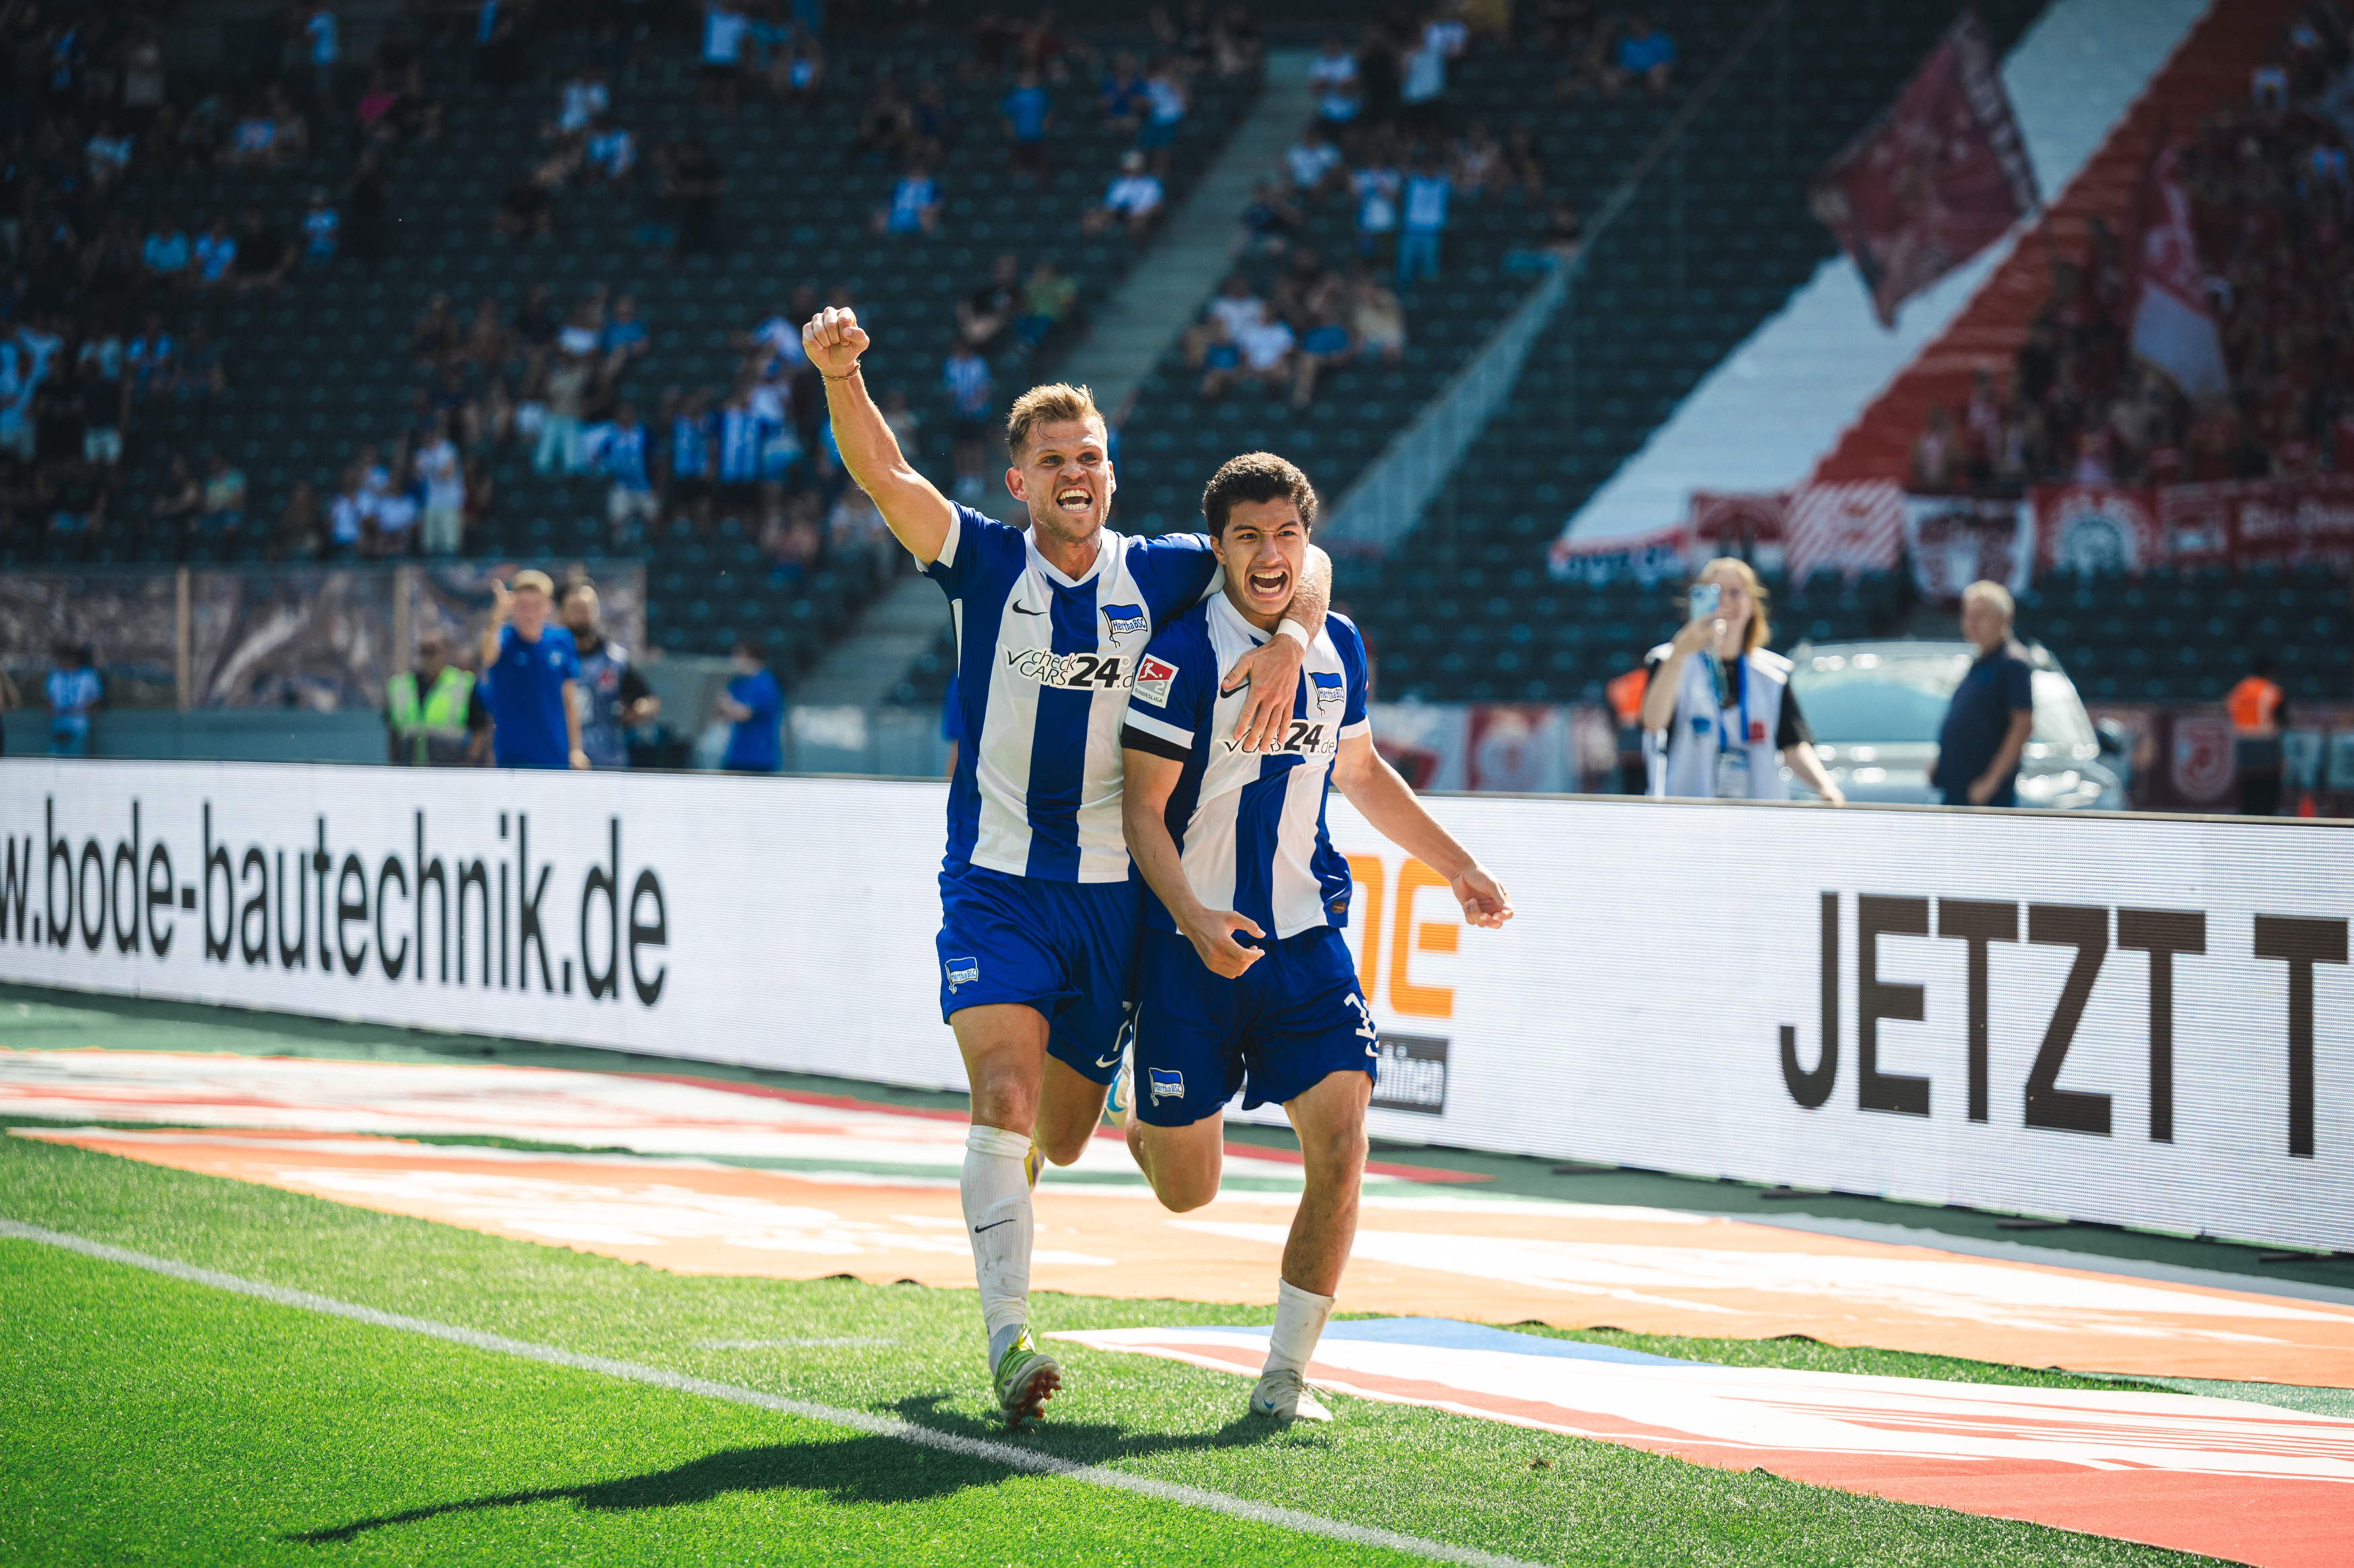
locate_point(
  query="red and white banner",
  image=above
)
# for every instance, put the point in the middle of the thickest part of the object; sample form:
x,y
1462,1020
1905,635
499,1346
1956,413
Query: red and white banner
x,y
2251,522
1936,179
2173,327
1751,525
1849,528
2093,529
1515,749
1957,540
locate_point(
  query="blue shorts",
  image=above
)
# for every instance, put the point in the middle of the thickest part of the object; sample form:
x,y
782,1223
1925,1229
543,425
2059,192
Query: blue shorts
x,y
1067,948
1292,1018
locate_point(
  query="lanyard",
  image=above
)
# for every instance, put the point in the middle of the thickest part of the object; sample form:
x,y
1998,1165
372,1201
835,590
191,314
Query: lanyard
x,y
1740,687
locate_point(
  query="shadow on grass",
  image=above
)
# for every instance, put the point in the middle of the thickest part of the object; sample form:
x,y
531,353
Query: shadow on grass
x,y
850,1470
1087,1443
862,1469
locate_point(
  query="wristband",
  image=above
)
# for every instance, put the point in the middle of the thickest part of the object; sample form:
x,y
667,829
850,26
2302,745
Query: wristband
x,y
1293,629
845,375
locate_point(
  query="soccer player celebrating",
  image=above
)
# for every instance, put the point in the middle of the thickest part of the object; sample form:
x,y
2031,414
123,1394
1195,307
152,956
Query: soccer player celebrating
x,y
1038,914
1230,841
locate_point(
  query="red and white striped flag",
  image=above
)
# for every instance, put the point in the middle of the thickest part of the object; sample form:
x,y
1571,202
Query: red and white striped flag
x,y
1850,527
2173,327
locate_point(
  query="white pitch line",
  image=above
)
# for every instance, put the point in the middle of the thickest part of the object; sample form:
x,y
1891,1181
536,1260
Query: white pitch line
x,y
983,1448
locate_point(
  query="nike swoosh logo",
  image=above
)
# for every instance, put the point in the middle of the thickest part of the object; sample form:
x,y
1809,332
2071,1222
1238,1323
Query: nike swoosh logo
x,y
1026,609
978,1229
1106,1061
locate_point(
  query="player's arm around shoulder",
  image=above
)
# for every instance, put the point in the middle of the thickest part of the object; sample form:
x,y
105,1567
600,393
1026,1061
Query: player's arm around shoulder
x,y
917,515
1273,668
1390,804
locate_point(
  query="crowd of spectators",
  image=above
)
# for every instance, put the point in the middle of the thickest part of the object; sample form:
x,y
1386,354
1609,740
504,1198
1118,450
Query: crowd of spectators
x,y
1605,53
1055,87
106,320
2273,211
584,152
1385,144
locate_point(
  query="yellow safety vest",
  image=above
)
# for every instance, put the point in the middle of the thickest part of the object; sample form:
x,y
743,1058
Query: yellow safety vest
x,y
440,717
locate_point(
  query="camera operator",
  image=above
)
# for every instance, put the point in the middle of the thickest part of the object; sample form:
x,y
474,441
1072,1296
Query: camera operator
x,y
1719,717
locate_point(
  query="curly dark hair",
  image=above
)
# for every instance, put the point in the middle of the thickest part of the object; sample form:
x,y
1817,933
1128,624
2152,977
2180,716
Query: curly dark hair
x,y
1256,476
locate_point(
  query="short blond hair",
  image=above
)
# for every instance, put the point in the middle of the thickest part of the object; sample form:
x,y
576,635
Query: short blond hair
x,y
1051,404
1994,594
532,578
1760,631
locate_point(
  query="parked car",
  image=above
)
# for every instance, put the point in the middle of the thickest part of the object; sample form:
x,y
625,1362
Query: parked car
x,y
1875,709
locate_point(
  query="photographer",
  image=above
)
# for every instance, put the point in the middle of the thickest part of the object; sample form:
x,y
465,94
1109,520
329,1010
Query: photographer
x,y
1719,717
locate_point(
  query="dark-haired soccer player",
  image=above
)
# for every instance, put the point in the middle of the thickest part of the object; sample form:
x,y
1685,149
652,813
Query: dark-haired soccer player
x,y
1230,841
1038,916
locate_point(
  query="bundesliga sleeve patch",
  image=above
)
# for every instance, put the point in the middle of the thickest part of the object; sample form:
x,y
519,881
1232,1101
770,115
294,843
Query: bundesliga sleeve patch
x,y
1152,680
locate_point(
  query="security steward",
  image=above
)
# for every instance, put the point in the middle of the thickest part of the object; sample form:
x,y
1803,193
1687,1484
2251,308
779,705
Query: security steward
x,y
434,715
2259,711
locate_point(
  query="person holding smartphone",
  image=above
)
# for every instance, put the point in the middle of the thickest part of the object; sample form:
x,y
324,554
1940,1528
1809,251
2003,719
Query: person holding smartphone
x,y
1719,718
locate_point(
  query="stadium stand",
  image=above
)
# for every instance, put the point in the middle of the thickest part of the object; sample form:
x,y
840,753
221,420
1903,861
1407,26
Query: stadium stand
x,y
1175,436
1711,245
1542,84
2177,637
344,360
447,155
1760,419
2069,402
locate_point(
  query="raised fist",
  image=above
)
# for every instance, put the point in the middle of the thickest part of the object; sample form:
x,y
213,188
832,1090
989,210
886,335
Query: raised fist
x,y
833,341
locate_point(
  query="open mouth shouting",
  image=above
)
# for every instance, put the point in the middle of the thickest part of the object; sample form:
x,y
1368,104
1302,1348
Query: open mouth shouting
x,y
1072,499
1269,587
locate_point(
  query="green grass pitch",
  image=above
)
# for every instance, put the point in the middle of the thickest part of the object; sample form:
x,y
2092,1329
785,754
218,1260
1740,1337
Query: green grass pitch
x,y
148,1420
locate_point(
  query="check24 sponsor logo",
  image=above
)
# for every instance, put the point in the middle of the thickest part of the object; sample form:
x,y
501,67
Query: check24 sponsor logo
x,y
1305,738
1070,672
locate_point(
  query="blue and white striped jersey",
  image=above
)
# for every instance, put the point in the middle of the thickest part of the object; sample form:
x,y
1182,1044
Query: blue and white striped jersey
x,y
1044,663
1249,826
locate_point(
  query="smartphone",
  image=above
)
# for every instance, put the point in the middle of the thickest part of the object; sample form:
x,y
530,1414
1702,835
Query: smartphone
x,y
1704,600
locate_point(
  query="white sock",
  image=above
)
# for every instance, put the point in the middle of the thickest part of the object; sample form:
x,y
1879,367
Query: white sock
x,y
997,1215
1299,1318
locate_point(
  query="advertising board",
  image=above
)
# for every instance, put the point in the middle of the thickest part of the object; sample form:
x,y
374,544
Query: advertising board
x,y
2139,1020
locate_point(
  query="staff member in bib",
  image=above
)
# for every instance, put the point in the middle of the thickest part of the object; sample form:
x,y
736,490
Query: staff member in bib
x,y
1719,717
434,715
2259,711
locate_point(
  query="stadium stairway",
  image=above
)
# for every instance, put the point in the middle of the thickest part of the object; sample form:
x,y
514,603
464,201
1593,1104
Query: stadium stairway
x,y
1135,328
1761,417
1715,243
1196,248
1173,439
865,665
2208,68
